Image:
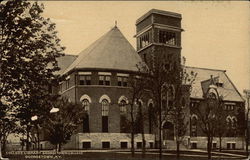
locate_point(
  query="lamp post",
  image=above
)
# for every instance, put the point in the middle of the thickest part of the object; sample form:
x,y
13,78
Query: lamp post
x,y
247,93
35,119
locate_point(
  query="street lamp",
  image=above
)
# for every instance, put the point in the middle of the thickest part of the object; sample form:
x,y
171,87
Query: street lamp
x,y
35,118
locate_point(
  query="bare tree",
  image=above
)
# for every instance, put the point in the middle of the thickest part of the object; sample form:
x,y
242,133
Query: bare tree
x,y
220,126
246,128
207,113
136,84
162,72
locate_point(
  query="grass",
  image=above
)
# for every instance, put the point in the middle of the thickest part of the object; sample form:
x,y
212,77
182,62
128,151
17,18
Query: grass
x,y
112,155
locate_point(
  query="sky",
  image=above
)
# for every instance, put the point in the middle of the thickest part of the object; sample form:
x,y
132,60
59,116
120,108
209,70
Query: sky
x,y
217,33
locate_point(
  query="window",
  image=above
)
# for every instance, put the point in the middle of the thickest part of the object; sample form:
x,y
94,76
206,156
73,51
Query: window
x,y
167,37
229,107
194,127
145,39
105,111
193,145
124,124
124,144
67,83
85,104
60,87
86,145
104,80
123,81
150,117
228,145
84,80
194,105
233,145
139,145
105,107
151,145
214,145
123,107
105,144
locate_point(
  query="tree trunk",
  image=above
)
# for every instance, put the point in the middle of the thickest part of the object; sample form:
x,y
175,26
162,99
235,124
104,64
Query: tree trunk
x,y
59,147
4,148
247,140
209,147
220,142
132,144
143,145
132,132
142,131
27,140
177,148
160,129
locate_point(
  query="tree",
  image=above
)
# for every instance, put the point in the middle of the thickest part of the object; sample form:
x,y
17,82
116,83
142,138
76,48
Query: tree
x,y
136,90
245,126
207,113
29,48
220,126
181,86
8,125
62,125
163,71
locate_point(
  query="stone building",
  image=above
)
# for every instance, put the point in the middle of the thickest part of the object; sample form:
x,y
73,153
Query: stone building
x,y
98,79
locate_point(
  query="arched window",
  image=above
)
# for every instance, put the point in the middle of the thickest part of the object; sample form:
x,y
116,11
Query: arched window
x,y
150,117
124,123
105,107
105,112
194,126
85,104
234,123
123,107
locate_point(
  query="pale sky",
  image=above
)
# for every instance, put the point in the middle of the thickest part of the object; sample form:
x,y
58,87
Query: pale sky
x,y
217,34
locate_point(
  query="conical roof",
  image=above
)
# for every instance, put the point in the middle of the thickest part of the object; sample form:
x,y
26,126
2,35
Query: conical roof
x,y
111,51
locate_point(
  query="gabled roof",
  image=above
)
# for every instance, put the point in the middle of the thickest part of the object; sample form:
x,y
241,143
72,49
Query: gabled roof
x,y
111,51
228,91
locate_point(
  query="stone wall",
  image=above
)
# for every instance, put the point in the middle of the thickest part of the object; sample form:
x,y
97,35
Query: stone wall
x,y
115,139
202,142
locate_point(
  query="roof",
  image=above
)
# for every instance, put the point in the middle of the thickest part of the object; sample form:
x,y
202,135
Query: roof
x,y
228,91
64,62
111,51
157,11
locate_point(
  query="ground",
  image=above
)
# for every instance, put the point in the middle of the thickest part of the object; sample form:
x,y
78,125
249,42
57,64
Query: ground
x,y
122,155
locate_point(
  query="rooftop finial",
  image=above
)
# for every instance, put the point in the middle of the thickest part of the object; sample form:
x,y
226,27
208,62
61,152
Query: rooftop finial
x,y
115,23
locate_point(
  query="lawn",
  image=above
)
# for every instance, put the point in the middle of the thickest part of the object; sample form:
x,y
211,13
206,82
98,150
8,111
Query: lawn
x,y
114,156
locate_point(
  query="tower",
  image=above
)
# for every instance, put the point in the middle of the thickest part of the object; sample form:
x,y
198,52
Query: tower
x,y
159,33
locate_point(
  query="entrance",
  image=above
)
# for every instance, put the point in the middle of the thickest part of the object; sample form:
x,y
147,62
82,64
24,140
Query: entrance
x,y
168,131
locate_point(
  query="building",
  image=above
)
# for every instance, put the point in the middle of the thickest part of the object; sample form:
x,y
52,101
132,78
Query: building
x,y
98,79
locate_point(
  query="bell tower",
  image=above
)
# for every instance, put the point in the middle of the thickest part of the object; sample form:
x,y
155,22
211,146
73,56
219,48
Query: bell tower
x,y
158,33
